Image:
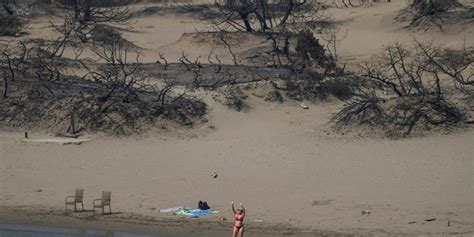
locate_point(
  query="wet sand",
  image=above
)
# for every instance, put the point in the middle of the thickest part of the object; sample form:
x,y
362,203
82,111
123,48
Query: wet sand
x,y
45,221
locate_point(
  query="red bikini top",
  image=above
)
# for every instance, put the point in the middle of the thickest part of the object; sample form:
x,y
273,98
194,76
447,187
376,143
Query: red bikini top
x,y
239,217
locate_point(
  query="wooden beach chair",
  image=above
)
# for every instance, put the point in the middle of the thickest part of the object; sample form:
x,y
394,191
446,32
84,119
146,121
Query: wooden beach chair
x,y
74,200
103,202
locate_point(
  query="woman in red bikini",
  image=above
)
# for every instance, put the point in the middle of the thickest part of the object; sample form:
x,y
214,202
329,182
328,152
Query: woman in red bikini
x,y
239,221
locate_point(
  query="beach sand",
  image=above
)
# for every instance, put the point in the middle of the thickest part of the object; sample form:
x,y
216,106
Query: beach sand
x,y
277,159
284,163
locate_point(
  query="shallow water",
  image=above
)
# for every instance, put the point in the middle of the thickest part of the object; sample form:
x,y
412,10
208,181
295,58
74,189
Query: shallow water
x,y
25,230
14,230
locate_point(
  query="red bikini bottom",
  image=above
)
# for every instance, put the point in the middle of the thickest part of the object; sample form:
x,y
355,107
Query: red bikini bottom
x,y
238,226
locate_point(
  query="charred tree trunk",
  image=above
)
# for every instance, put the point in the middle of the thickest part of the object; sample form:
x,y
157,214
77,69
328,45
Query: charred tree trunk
x,y
245,19
5,81
77,11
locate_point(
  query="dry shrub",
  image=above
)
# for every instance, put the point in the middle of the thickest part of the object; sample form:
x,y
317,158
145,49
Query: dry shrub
x,y
313,74
308,48
113,97
407,91
235,98
399,116
315,87
10,25
267,90
433,7
424,14
47,105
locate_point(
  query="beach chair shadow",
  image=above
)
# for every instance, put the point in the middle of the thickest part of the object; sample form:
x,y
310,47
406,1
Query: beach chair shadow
x,y
102,203
76,199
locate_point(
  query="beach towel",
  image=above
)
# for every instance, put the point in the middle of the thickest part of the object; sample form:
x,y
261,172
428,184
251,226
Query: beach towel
x,y
173,209
195,212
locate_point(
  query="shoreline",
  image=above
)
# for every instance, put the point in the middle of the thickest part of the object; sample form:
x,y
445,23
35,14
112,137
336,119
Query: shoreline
x,y
173,225
147,224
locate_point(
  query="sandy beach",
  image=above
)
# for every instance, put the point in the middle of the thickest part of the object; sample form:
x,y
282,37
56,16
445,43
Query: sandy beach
x,y
293,173
277,160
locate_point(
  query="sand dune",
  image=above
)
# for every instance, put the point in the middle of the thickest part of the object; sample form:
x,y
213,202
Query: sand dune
x,y
284,163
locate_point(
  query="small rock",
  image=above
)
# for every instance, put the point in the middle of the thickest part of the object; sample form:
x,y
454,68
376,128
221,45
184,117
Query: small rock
x,y
431,219
304,106
223,219
258,220
412,222
38,190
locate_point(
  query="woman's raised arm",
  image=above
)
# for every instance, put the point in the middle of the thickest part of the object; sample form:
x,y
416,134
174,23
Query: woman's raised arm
x,y
233,208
